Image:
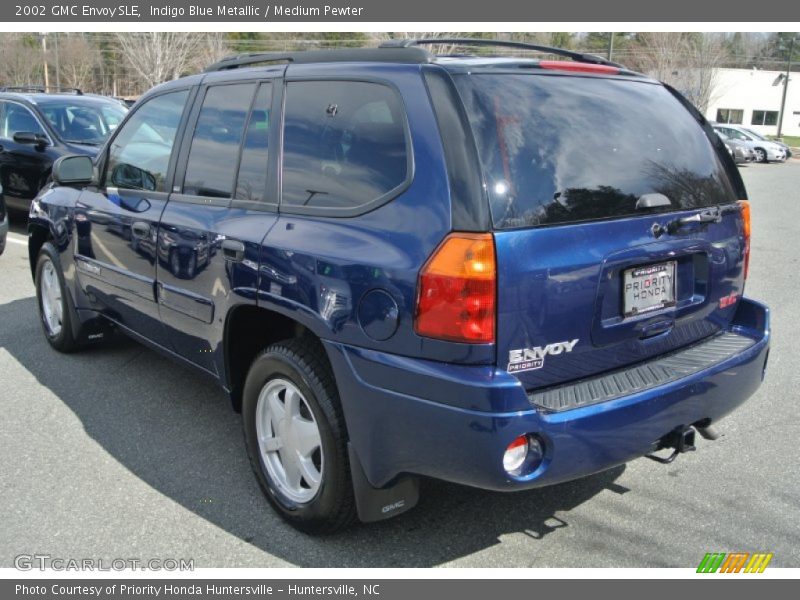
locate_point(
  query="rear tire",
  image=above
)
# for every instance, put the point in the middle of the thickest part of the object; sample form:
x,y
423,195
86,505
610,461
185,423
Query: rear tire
x,y
56,312
293,378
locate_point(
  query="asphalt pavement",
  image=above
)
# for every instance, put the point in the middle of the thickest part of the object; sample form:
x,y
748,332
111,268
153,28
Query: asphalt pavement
x,y
117,452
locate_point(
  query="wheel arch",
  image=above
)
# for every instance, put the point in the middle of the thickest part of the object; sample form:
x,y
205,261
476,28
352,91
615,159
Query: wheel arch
x,y
248,330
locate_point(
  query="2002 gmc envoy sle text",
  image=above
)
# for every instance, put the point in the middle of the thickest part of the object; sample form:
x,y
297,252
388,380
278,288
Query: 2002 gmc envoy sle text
x,y
501,272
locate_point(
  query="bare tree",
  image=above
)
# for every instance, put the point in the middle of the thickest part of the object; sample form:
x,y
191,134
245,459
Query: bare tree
x,y
79,62
213,47
686,61
20,62
158,56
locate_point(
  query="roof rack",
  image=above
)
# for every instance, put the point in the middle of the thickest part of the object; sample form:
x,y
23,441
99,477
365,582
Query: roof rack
x,y
398,54
576,56
40,89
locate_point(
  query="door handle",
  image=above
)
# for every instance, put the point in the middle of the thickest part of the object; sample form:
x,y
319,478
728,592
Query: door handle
x,y
233,250
141,229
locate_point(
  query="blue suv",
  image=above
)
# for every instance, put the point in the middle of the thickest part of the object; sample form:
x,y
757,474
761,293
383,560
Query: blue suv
x,y
497,271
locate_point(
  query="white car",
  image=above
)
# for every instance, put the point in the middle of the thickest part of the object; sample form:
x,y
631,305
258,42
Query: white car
x,y
765,150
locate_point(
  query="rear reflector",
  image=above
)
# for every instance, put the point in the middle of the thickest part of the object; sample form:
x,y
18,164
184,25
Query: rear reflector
x,y
746,219
578,67
457,289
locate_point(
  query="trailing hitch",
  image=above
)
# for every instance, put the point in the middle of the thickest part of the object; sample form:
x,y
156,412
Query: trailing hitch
x,y
680,439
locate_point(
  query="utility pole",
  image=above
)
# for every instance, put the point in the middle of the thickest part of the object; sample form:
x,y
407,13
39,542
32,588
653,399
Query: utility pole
x,y
785,87
610,45
44,56
58,66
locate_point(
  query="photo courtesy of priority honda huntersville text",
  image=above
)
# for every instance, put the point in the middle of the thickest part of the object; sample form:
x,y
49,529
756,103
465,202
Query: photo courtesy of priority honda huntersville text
x,y
496,271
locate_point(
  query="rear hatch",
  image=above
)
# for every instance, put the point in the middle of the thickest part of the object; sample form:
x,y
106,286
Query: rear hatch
x,y
591,180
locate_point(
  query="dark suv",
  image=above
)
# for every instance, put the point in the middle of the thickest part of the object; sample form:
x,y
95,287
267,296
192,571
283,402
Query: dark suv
x,y
500,272
36,128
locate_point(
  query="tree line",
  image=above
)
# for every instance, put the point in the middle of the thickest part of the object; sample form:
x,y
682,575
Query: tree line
x,y
127,64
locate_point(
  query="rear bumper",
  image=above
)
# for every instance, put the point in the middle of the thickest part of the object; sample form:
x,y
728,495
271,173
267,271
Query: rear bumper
x,y
451,422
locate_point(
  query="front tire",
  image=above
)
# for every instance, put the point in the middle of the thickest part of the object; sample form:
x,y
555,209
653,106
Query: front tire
x,y
55,308
761,155
296,437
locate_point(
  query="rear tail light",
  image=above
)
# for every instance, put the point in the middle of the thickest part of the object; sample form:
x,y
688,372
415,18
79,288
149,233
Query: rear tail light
x,y
457,289
746,219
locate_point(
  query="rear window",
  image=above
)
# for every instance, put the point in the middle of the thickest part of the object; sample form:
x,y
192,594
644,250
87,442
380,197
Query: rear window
x,y
563,149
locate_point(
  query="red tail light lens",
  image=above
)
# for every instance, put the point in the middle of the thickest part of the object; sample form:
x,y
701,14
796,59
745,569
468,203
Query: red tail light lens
x,y
746,218
457,290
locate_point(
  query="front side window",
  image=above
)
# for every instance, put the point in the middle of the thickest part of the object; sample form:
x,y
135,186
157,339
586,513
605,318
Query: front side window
x,y
18,119
214,151
731,116
139,154
344,144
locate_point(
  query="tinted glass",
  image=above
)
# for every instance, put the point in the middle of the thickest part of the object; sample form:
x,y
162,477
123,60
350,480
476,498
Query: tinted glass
x,y
217,137
252,181
139,154
83,123
17,119
344,143
560,149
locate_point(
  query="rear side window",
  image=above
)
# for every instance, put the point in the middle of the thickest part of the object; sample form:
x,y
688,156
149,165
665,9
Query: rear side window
x,y
563,149
344,144
251,183
211,167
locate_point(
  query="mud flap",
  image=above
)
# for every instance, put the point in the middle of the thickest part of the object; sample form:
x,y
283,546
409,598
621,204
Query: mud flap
x,y
377,504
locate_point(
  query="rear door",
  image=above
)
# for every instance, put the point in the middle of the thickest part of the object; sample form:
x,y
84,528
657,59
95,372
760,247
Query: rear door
x,y
223,204
589,178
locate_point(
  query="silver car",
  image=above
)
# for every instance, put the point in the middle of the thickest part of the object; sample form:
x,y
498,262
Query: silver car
x,y
739,151
765,150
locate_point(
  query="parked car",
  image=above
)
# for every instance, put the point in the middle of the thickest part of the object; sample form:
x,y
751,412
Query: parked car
x,y
429,267
760,137
739,151
36,128
3,221
764,150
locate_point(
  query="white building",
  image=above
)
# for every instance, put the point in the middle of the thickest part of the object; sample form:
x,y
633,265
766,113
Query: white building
x,y
752,98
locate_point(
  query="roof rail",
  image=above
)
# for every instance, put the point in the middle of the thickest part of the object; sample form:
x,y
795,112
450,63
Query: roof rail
x,y
396,54
576,56
40,89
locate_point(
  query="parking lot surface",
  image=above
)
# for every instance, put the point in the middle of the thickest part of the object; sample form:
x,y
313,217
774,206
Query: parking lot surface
x,y
117,452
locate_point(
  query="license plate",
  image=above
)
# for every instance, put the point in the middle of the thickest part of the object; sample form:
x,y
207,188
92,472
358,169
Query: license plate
x,y
649,288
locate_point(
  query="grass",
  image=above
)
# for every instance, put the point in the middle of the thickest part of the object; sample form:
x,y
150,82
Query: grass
x,y
792,140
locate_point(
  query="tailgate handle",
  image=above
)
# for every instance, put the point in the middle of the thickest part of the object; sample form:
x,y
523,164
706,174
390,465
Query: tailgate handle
x,y
657,329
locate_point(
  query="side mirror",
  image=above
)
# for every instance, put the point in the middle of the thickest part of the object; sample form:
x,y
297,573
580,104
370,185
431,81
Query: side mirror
x,y
28,137
73,170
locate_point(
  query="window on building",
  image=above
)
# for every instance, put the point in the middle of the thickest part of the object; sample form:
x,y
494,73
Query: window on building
x,y
764,117
733,116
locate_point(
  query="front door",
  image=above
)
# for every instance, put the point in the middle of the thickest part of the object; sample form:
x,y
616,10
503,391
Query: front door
x,y
117,247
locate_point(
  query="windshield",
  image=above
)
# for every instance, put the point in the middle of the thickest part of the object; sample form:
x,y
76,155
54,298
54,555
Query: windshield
x,y
758,136
83,123
560,149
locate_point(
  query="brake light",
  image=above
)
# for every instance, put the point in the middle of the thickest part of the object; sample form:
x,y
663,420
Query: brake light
x,y
578,67
457,290
746,219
